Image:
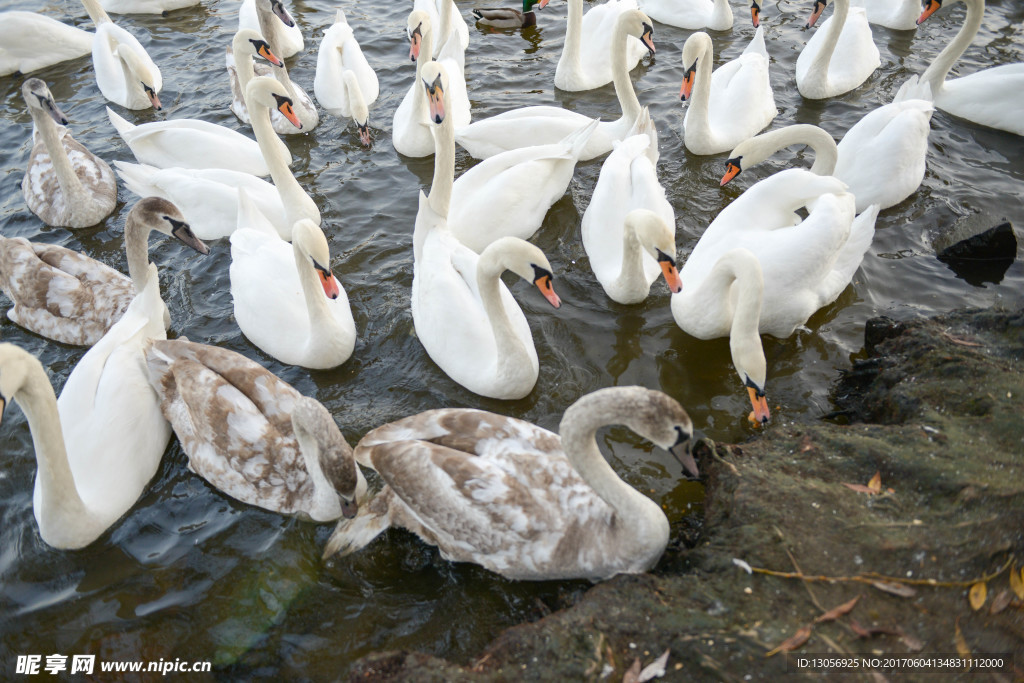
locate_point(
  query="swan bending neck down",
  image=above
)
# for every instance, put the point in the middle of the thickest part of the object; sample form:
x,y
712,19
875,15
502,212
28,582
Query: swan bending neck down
x,y
125,73
734,284
991,97
759,148
437,467
647,234
62,192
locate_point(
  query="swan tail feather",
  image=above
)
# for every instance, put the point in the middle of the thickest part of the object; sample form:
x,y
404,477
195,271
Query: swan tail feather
x,y
645,125
339,17
862,232
120,124
353,534
577,140
914,89
137,178
757,45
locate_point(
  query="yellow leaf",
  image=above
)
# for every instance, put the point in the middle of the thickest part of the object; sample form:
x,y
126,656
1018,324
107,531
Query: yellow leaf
x,y
1017,582
961,644
793,642
978,595
876,482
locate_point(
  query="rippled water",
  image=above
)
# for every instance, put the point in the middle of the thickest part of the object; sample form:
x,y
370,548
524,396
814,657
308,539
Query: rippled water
x,y
191,574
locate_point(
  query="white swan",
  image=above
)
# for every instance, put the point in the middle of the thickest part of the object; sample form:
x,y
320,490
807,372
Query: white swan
x,y
991,97
191,143
544,125
411,134
125,73
510,193
145,6
521,501
66,296
253,436
286,300
839,56
881,159
626,246
729,105
271,19
239,60
448,23
209,197
695,15
98,446
895,14
30,41
65,184
464,315
588,56
345,84
758,267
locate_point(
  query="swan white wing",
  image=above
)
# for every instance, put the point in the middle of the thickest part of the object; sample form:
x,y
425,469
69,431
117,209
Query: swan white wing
x,y
110,75
339,52
992,97
191,143
30,41
855,57
602,223
145,6
289,37
208,197
411,133
595,46
850,256
882,158
742,103
896,14
528,126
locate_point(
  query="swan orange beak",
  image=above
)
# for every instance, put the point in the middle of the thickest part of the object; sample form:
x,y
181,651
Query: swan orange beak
x,y
284,105
328,282
732,169
543,282
819,7
930,7
153,99
415,40
755,14
671,273
435,100
760,415
688,78
647,38
263,50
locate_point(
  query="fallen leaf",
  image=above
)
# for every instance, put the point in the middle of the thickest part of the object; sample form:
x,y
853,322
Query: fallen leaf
x,y
912,643
878,678
978,595
655,669
633,674
859,488
859,630
793,642
1017,582
961,644
1000,602
876,483
899,589
837,612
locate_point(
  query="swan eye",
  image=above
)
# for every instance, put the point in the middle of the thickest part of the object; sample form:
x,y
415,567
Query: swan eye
x,y
682,438
662,256
758,391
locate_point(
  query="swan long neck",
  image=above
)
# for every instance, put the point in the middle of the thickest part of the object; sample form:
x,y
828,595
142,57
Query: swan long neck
x,y
632,276
578,433
136,245
573,31
698,113
70,184
512,354
620,73
244,67
738,285
320,318
297,204
60,498
96,12
721,13
831,39
271,28
444,164
936,73
826,152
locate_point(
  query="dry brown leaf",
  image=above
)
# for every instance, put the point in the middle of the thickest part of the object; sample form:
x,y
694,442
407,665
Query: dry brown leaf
x,y
978,595
902,590
1000,602
961,643
912,643
633,673
1017,582
876,483
860,488
837,612
793,642
859,630
655,669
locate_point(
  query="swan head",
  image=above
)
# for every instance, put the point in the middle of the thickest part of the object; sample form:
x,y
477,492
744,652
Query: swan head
x,y
755,13
277,8
417,28
161,215
250,42
311,243
140,69
930,7
324,448
39,99
819,7
267,91
638,25
360,112
525,260
695,47
15,366
435,82
658,240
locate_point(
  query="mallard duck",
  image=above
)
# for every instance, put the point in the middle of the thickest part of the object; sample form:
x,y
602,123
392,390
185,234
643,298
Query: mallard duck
x,y
509,17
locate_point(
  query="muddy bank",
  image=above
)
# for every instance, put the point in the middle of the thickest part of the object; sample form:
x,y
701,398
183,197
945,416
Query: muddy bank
x,y
937,409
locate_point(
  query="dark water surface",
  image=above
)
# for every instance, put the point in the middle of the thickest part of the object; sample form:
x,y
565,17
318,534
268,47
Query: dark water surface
x,y
190,574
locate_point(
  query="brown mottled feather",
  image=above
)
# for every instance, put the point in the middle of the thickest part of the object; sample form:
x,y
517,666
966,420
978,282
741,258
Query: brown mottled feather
x,y
45,197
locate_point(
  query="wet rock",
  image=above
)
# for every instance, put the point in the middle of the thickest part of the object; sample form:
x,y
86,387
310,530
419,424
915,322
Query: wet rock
x,y
977,252
877,330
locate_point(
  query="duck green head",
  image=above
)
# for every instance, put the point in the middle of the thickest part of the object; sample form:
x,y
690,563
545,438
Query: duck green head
x,y
528,4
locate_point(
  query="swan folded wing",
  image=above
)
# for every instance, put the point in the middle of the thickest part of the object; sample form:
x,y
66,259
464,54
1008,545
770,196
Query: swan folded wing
x,y
992,97
856,55
30,41
195,144
741,96
603,220
598,27
850,256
